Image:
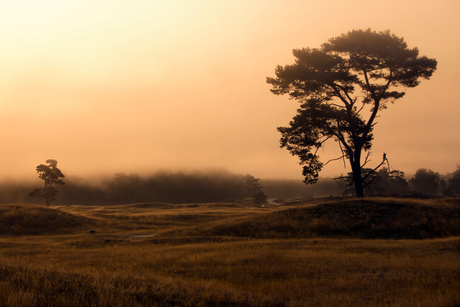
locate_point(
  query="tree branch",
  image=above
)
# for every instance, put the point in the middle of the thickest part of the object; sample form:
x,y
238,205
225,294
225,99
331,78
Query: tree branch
x,y
366,160
344,143
343,154
362,107
335,159
378,166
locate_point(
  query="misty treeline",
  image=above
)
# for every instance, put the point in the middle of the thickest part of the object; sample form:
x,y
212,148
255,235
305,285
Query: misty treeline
x,y
162,186
222,185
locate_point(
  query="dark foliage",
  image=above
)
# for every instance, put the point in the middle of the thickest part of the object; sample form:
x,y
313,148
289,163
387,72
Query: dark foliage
x,y
336,85
426,181
260,198
454,182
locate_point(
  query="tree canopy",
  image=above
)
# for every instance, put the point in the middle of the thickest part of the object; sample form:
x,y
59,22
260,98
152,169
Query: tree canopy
x,y
426,181
454,182
341,87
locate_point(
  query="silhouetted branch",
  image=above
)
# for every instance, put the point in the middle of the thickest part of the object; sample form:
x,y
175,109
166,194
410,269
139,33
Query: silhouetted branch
x,y
372,171
333,160
367,159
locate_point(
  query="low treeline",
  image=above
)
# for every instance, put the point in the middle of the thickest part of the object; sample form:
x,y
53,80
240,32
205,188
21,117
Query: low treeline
x,y
219,185
168,187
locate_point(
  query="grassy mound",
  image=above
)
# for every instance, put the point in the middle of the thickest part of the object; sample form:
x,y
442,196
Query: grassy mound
x,y
28,219
377,218
153,205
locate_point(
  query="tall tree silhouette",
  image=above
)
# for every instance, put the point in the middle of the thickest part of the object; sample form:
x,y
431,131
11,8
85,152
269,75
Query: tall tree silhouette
x,y
341,88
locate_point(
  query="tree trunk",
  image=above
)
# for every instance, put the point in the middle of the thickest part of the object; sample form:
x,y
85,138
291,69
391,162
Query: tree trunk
x,y
357,178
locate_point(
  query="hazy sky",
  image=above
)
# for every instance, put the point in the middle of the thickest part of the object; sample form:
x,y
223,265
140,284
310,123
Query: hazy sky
x,y
134,86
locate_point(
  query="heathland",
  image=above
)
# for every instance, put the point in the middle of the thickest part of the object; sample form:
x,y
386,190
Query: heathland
x,y
342,252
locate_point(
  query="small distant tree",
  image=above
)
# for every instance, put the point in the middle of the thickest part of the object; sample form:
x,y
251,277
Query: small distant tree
x,y
260,198
252,187
453,187
454,182
393,182
426,181
50,174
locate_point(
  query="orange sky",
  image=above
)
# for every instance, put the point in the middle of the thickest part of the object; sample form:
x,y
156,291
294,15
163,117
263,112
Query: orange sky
x,y
134,86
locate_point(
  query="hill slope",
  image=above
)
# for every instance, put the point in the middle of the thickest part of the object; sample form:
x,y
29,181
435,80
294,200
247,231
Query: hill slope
x,y
28,219
356,218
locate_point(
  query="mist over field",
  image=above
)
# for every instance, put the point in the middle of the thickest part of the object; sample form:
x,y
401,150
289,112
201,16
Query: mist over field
x,y
162,186
219,185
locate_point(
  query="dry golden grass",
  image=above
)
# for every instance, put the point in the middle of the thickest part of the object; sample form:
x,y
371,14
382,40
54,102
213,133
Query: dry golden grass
x,y
373,218
27,219
186,259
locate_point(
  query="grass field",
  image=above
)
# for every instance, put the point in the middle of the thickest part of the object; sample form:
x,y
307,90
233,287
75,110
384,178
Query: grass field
x,y
371,252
